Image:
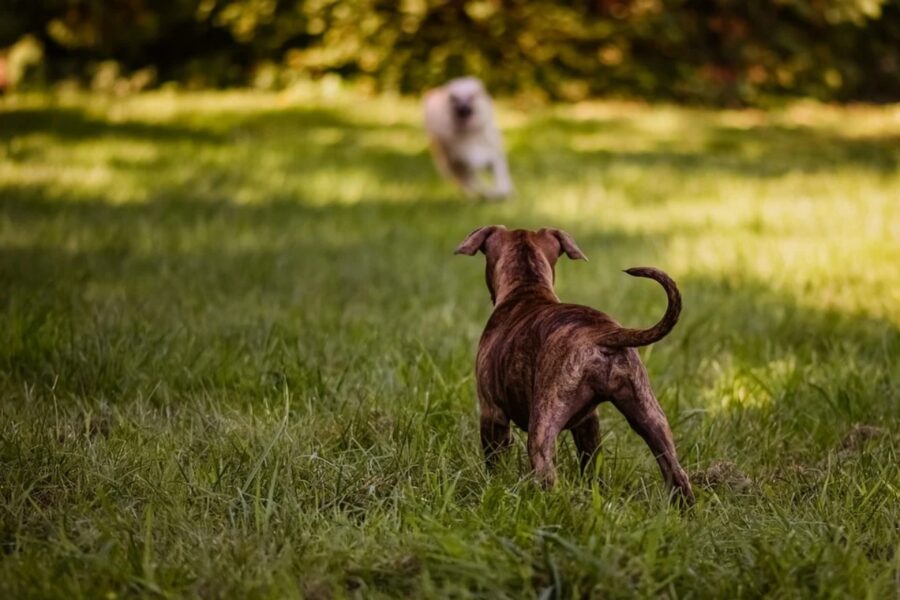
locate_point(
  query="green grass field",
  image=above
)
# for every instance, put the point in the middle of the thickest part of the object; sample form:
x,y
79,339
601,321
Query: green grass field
x,y
237,352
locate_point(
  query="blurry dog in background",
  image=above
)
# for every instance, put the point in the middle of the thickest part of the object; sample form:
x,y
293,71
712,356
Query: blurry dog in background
x,y
464,139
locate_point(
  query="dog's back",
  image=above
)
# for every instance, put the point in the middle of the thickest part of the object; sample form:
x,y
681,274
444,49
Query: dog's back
x,y
525,338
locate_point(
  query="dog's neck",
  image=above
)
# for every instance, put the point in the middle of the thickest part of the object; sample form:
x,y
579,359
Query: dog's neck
x,y
520,275
522,291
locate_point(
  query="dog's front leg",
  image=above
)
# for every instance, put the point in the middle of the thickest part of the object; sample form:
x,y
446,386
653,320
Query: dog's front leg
x,y
442,160
454,170
502,182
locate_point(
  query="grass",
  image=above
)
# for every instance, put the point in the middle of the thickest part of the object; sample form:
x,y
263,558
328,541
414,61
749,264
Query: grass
x,y
236,352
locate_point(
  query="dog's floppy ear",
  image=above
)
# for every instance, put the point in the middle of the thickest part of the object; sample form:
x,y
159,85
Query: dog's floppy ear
x,y
475,240
567,244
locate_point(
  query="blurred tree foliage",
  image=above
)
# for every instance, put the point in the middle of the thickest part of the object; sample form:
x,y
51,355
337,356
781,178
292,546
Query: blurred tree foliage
x,y
717,51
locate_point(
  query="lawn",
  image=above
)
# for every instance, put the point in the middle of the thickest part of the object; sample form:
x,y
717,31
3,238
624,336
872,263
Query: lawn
x,y
237,352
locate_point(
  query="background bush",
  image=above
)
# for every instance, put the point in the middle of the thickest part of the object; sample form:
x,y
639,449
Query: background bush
x,y
713,51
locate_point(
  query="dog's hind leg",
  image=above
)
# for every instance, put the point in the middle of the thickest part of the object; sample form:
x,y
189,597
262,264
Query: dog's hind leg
x,y
548,417
636,401
646,417
542,434
555,407
587,440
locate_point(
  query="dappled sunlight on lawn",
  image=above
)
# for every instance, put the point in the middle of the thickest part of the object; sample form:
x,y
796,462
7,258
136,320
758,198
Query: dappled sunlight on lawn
x,y
782,197
239,316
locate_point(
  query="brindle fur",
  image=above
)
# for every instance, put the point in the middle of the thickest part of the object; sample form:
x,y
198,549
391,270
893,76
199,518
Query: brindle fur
x,y
546,366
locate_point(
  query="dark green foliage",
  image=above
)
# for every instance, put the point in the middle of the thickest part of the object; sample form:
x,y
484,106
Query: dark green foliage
x,y
718,51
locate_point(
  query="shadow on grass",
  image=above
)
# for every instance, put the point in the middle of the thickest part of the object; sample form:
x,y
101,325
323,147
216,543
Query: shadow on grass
x,y
76,124
281,154
763,150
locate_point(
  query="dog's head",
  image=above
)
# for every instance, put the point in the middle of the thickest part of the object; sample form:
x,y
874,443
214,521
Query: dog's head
x,y
469,104
519,258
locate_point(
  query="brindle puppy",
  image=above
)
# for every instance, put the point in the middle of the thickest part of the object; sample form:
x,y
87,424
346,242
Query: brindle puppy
x,y
546,365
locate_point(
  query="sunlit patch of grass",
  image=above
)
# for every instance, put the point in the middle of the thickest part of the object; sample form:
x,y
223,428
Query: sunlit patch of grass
x,y
236,352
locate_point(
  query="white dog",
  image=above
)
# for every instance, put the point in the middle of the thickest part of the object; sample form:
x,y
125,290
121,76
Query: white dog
x,y
464,140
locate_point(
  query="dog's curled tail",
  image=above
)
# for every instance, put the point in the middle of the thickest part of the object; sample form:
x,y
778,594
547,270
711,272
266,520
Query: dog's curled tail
x,y
644,337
